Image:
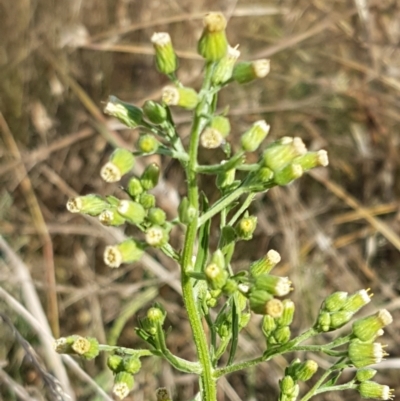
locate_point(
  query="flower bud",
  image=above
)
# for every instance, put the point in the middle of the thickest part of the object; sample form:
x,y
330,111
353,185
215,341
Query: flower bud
x,y
286,385
133,212
253,137
356,301
266,264
288,174
147,144
121,162
147,200
111,217
268,325
363,375
323,321
86,347
364,354
156,216
335,301
134,187
282,335
230,287
211,138
287,314
127,113
275,285
157,236
304,371
183,97
224,69
150,176
123,384
88,204
375,390
115,363
166,60
213,44
312,159
339,319
216,276
368,328
186,212
282,152
225,179
258,301
155,112
245,227
156,315
131,364
127,251
274,308
248,71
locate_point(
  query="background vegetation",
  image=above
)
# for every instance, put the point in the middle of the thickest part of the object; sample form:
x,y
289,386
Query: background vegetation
x,y
334,81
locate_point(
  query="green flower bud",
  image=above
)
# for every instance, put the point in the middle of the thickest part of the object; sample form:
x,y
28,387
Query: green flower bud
x,y
213,44
186,212
323,321
376,391
288,174
335,301
225,179
340,318
162,394
356,301
312,159
134,187
368,328
258,301
363,375
133,212
123,384
218,258
147,200
157,236
221,124
263,176
166,60
111,218
224,69
282,335
127,251
245,227
216,276
121,162
274,308
155,112
211,138
282,152
287,385
150,176
183,97
248,71
266,264
156,216
127,113
253,137
364,354
230,287
287,314
275,285
85,347
147,144
115,363
132,364
303,371
156,315
268,325
88,204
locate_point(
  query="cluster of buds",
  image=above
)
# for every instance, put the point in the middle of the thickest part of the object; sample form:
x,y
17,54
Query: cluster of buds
x,y
338,309
124,369
86,347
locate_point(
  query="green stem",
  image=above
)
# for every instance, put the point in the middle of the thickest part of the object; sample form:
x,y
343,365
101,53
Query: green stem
x,y
207,381
242,209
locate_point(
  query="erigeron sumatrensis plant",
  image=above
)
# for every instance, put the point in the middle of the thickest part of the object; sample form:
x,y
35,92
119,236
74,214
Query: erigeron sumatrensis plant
x,y
219,303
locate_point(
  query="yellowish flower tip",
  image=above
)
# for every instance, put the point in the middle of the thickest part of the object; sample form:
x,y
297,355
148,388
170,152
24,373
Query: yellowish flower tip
x,y
110,172
299,146
274,308
113,107
81,345
385,317
212,271
214,22
273,257
111,218
121,390
323,159
170,95
112,256
74,205
233,52
155,236
261,68
211,138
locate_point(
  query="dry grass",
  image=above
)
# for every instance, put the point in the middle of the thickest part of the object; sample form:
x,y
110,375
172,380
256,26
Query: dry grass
x,y
335,82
